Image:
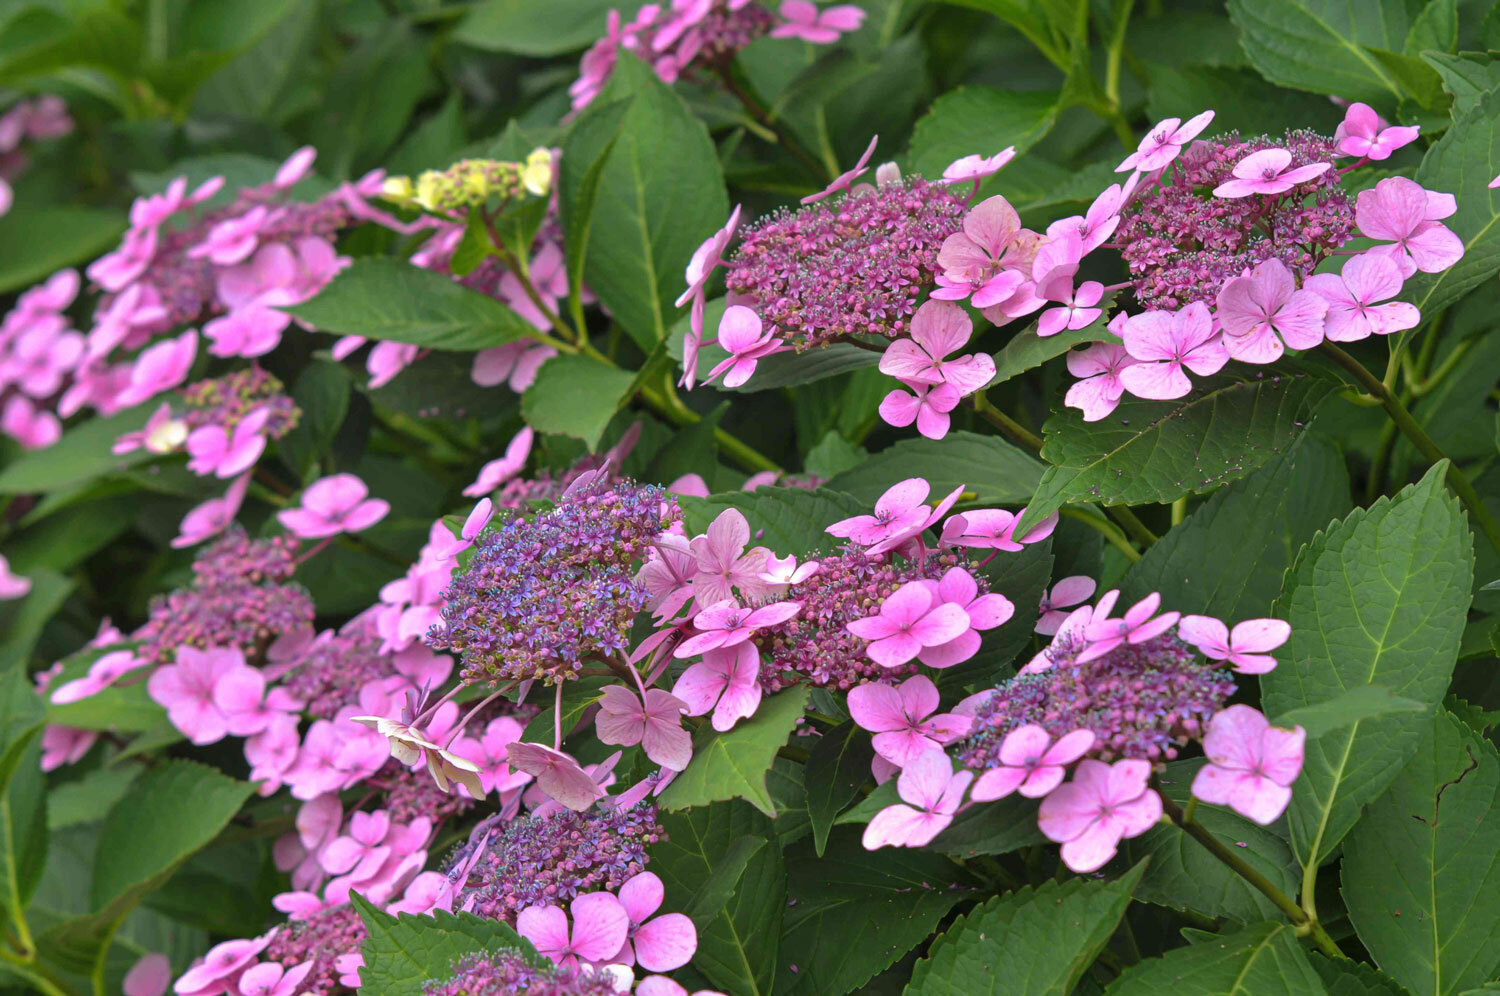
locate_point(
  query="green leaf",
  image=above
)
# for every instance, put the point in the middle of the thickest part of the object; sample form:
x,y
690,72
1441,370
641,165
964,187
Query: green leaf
x,y
1240,98
575,396
1345,977
590,141
23,812
993,828
90,797
82,454
991,468
1436,27
577,697
1158,451
979,114
403,953
118,709
513,26
1033,942
392,300
1421,871
1468,76
370,96
1226,559
21,621
1027,350
37,241
1462,163
786,520
854,913
1380,598
1263,960
322,392
733,765
1360,703
838,766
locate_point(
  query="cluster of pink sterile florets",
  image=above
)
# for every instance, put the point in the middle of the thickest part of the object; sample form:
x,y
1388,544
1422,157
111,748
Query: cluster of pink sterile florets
x,y
1110,700
692,37
44,118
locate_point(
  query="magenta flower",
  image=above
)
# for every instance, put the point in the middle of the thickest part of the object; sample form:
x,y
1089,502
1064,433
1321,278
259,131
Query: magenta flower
x,y
723,564
479,517
556,774
149,976
1247,647
902,718
930,792
160,367
668,580
843,180
1365,134
161,434
976,167
64,745
728,624
1103,804
600,927
1077,309
214,450
186,689
1165,342
232,240
1099,391
1251,764
899,509
1164,142
1139,624
33,427
104,672
938,329
971,259
221,961
803,19
958,587
1030,763
1265,172
910,620
1094,227
1352,296
248,706
1068,592
740,335
726,681
658,944
1254,309
333,505
925,404
1400,211
655,724
12,585
660,985
993,529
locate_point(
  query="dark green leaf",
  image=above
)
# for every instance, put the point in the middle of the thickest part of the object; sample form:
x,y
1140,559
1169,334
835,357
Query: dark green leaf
x,y
403,953
513,26
733,765
83,453
37,241
575,396
839,765
979,119
1027,350
1263,960
785,520
1345,977
1359,703
1467,76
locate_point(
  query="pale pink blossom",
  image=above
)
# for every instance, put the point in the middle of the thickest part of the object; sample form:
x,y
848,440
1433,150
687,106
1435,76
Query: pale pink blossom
x,y
740,335
160,367
1265,172
803,19
1077,309
706,258
149,976
971,260
938,329
1399,211
103,673
925,404
214,450
497,472
1255,309
668,579
333,505
723,564
993,529
1164,143
186,689
806,9
726,682
1251,764
899,509
30,425
1099,390
1365,134
161,434
656,724
911,619
1352,296
64,745
232,240
269,978
1247,647
976,167
1165,343
786,570
1103,804
930,795
904,719
387,360
1068,592
657,944
958,587
221,961
1031,763
212,517
727,624
296,166
556,774
514,364
600,926
1094,227
248,705
1139,624
12,585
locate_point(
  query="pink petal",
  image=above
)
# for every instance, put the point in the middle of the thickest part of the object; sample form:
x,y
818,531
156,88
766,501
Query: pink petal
x,y
877,707
546,927
600,925
666,943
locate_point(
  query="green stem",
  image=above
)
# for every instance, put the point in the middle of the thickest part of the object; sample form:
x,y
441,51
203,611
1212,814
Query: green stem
x,y
1179,510
762,115
1006,424
1134,526
1107,529
669,405
1423,442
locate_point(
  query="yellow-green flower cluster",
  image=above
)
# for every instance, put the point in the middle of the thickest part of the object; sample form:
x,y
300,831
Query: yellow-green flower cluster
x,y
472,182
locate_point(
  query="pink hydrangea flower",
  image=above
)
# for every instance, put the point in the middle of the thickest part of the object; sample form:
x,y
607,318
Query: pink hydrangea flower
x,y
213,516
333,505
1030,763
149,976
161,434
232,240
1093,228
786,570
1139,624
976,167
221,961
994,529
910,620
727,624
160,367
1077,310
268,978
1265,172
740,335
905,719
898,510
938,329
1103,804
1365,134
12,585
706,258
1165,342
1255,309
186,689
971,260
65,745
1401,212
726,682
723,565
556,774
958,587
1352,296
248,705
803,19
843,180
1099,390
104,672
33,427
1247,647
1251,764
1068,592
600,927
655,724
214,450
657,944
925,404
514,364
930,792
1164,143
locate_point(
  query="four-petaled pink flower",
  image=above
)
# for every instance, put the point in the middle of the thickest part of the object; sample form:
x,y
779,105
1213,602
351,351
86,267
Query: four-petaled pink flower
x,y
1254,309
249,707
221,961
214,450
1139,624
1247,647
1265,172
937,329
1365,134
925,404
213,516
741,337
333,505
1401,212
930,794
726,681
1093,228
657,944
160,367
1164,142
843,180
1352,296
1251,764
994,529
976,167
1103,804
1030,763
804,20
497,472
1099,391
600,928
971,259
104,672
899,509
902,718
723,564
655,724
1077,309
186,689
556,774
727,624
958,587
1068,592
1164,343
911,619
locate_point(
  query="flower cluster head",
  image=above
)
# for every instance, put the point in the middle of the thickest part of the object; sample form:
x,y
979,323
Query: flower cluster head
x,y
472,183
329,940
541,595
700,37
508,973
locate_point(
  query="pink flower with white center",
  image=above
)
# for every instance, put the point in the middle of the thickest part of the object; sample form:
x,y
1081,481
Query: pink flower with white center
x,y
930,795
150,976
1165,342
1077,309
910,620
1068,592
723,564
333,505
802,19
658,944
726,681
1103,804
1251,764
214,450
1254,309
34,428
1164,143
104,672
221,961
926,405
786,570
1030,763
727,624
976,167
971,259
1265,172
1365,134
232,240
1139,624
556,774
937,329
899,509
1352,296
249,707
1100,389
270,979
740,335
12,585
843,180
903,718
213,516
1400,211
186,689
655,724
1094,227
514,364
161,434
600,927
993,529
160,367
958,587
1247,647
